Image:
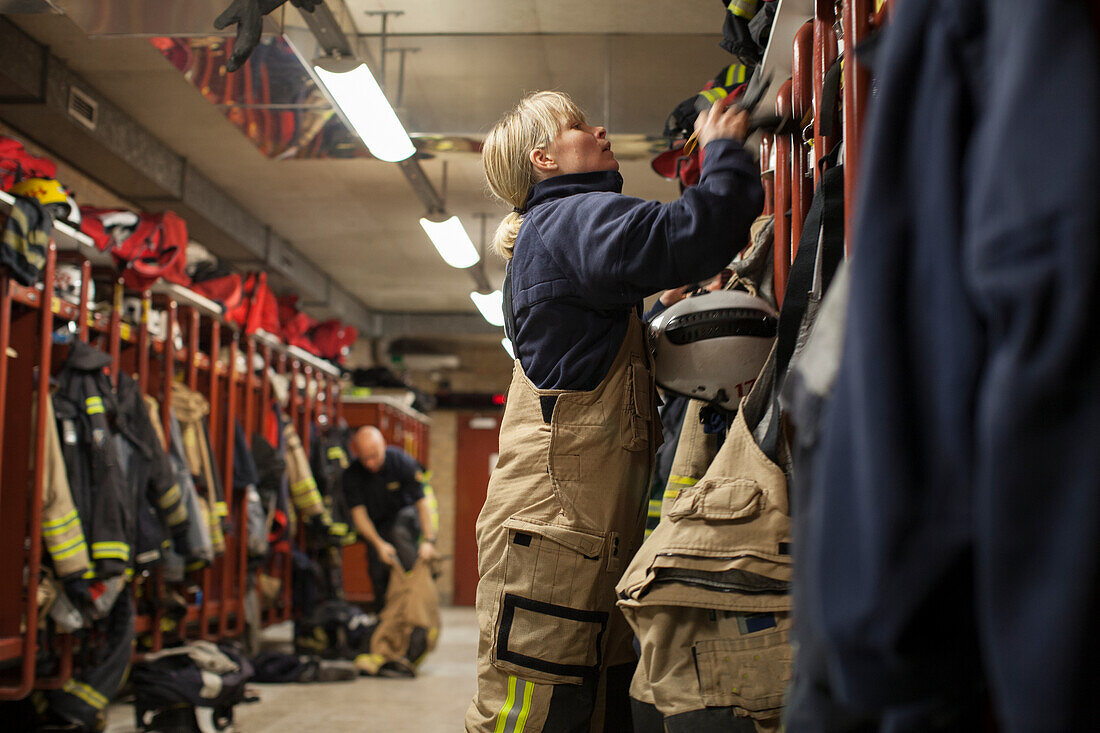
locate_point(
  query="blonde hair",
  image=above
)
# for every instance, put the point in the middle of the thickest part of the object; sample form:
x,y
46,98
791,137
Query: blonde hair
x,y
506,154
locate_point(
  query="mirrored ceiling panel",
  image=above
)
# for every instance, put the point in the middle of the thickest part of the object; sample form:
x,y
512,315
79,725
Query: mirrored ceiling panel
x,y
271,99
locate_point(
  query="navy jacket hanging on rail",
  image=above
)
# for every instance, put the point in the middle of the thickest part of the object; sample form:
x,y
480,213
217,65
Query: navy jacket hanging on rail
x,y
956,510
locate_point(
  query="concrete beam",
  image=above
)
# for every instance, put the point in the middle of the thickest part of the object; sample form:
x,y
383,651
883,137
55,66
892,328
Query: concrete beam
x,y
394,325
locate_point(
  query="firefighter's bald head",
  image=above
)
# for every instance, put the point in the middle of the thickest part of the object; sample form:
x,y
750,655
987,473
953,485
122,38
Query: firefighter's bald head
x,y
369,447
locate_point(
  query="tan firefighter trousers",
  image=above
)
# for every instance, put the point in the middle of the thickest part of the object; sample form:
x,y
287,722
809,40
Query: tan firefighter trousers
x,y
565,512
708,594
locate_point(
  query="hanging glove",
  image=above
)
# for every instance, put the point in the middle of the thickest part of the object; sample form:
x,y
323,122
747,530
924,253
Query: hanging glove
x,y
248,15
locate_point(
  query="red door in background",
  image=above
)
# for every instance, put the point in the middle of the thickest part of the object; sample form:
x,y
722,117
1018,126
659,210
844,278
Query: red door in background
x,y
478,440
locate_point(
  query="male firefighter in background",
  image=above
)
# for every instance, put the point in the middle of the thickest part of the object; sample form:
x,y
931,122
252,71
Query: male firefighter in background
x,y
385,495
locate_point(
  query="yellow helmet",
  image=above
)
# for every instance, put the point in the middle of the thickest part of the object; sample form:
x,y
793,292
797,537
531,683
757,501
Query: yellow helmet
x,y
53,197
46,190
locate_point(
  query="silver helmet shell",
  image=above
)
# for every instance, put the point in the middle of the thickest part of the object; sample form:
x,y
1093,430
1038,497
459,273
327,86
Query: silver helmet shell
x,y
711,347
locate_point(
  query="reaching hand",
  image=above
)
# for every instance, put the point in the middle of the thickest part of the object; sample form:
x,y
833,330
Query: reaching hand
x,y
426,551
675,295
722,121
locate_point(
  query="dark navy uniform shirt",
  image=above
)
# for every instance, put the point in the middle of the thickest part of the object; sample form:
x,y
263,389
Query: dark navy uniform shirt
x,y
387,491
586,255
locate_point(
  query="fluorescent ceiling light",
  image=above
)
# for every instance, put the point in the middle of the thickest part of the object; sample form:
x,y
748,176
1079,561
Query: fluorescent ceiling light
x,y
507,344
452,241
491,306
354,90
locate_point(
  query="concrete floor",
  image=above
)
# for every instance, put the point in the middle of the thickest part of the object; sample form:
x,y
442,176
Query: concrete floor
x,y
433,702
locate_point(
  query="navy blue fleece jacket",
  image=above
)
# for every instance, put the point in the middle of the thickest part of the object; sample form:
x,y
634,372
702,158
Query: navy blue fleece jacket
x,y
586,255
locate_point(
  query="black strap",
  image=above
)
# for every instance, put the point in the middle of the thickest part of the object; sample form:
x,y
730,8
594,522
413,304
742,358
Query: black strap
x,y
825,225
509,315
830,92
828,204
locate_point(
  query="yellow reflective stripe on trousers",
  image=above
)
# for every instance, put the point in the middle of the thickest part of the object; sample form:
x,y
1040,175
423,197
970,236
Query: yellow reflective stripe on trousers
x,y
654,508
512,718
93,405
87,693
672,492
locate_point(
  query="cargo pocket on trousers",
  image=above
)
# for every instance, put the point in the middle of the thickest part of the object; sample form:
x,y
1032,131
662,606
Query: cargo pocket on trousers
x,y
751,672
638,406
549,626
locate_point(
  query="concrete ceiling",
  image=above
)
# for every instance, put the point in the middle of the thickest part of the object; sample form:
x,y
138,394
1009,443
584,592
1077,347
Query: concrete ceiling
x,y
627,62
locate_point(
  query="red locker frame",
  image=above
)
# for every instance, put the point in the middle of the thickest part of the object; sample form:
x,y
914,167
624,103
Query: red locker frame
x,y
209,362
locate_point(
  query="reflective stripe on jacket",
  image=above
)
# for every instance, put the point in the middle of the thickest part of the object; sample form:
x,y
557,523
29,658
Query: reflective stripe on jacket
x,y
85,408
191,408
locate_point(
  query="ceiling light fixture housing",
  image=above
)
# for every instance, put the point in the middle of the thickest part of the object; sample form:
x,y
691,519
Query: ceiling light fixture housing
x,y
352,88
452,241
491,306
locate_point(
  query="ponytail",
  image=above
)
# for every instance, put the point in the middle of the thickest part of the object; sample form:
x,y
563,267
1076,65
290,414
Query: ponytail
x,y
505,238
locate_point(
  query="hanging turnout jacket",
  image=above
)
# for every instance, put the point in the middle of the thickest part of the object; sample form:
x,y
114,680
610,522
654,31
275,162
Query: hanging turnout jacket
x,y
99,490
193,548
161,514
191,408
200,541
956,511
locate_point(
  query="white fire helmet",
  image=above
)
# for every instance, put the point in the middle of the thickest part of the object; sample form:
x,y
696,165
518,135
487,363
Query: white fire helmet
x,y
66,283
712,346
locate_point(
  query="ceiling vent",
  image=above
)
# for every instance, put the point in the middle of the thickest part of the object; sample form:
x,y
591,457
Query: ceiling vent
x,y
83,108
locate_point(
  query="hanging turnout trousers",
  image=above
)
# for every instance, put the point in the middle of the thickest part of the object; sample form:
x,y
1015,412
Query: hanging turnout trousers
x,y
565,512
709,593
